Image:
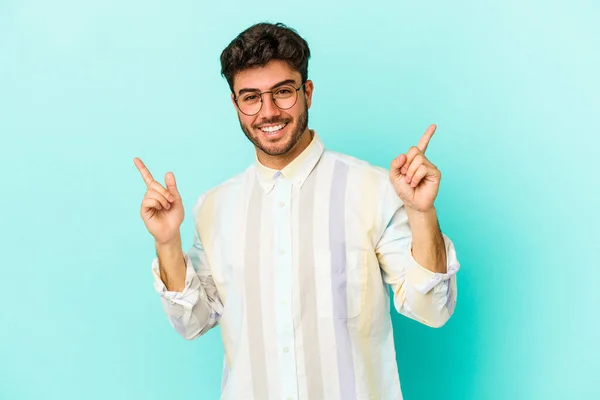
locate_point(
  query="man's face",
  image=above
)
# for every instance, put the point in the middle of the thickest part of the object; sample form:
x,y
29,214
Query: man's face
x,y
289,124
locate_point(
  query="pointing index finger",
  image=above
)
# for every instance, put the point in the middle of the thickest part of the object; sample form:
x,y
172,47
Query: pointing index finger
x,y
424,142
144,171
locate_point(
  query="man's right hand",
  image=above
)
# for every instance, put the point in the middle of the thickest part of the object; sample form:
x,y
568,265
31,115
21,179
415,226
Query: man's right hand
x,y
162,208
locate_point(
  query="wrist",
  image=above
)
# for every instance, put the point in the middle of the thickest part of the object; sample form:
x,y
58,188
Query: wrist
x,y
423,224
421,215
170,247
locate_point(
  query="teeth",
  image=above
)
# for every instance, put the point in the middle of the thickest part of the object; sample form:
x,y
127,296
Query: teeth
x,y
272,128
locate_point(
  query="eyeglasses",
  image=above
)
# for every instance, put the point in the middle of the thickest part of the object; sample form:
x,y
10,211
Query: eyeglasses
x,y
284,97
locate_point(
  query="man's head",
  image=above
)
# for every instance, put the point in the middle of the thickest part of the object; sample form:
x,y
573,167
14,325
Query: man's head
x,y
270,58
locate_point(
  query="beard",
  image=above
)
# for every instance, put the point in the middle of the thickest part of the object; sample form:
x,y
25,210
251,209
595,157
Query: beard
x,y
280,148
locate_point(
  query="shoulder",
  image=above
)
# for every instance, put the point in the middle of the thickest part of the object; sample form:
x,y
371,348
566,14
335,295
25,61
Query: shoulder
x,y
372,181
357,167
223,190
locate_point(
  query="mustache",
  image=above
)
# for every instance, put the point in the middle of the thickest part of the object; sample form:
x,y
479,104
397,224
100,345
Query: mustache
x,y
271,121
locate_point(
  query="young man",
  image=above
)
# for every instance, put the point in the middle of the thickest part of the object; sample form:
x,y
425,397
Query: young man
x,y
294,257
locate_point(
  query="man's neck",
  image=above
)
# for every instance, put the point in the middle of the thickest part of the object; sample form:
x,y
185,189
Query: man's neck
x,y
280,162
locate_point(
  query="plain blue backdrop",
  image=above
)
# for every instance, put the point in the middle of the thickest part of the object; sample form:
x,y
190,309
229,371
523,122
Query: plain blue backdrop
x,y
86,86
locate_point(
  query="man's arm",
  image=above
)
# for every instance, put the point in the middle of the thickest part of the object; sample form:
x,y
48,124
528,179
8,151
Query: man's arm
x,y
424,285
417,260
184,281
172,264
428,247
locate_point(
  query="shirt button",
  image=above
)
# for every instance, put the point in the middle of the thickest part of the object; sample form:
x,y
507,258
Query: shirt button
x,y
286,349
282,252
284,302
290,398
281,204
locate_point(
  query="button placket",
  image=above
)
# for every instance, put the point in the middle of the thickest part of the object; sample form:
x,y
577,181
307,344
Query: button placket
x,y
284,284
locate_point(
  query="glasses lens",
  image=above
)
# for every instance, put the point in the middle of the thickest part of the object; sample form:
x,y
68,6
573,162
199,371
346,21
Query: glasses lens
x,y
285,97
249,103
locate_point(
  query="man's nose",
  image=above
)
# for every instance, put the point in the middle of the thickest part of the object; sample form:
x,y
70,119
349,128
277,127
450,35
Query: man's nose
x,y
269,109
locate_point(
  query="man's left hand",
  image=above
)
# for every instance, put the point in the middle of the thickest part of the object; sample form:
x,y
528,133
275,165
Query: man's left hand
x,y
414,177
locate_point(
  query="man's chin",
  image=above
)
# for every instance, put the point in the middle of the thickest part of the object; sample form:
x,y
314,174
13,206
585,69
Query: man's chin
x,y
275,146
275,149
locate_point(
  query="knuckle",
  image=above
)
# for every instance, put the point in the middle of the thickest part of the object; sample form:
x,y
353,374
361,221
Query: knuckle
x,y
156,186
155,194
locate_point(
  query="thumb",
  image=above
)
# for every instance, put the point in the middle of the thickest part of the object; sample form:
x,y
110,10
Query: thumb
x,y
171,184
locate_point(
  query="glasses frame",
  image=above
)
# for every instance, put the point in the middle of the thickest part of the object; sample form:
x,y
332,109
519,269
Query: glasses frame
x,y
260,95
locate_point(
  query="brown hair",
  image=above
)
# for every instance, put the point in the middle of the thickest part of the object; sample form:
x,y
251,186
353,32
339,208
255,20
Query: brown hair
x,y
261,43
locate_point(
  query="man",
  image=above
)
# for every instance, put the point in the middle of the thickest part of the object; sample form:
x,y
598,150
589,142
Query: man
x,y
293,257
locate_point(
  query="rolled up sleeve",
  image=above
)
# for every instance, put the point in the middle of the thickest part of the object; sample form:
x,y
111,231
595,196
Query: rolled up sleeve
x,y
420,294
198,307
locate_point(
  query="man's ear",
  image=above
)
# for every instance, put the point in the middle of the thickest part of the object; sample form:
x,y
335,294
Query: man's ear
x,y
308,91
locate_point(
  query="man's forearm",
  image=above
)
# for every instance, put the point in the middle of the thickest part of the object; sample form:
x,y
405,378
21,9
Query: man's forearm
x,y
428,247
171,265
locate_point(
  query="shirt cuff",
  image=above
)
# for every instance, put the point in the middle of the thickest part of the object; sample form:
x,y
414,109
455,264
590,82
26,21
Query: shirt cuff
x,y
190,294
422,279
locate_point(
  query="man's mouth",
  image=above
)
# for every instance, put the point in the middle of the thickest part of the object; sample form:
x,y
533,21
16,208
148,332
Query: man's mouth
x,y
272,130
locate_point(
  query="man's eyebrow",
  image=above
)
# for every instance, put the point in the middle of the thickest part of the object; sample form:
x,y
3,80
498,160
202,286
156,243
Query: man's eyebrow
x,y
286,82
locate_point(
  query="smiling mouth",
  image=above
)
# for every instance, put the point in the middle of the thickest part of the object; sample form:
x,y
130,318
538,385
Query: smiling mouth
x,y
272,130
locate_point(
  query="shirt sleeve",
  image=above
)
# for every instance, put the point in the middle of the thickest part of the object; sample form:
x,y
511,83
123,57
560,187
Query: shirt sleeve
x,y
420,294
198,307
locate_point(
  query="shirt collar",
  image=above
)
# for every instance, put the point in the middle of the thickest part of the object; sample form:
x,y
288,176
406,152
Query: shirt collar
x,y
296,171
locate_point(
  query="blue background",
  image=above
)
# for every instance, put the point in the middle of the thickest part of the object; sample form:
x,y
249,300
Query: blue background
x,y
86,86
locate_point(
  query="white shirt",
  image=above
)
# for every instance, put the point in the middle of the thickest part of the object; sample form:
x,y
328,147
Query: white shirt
x,y
295,266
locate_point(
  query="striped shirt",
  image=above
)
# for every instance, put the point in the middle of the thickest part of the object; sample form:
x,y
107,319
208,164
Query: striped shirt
x,y
295,267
